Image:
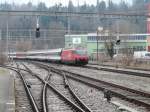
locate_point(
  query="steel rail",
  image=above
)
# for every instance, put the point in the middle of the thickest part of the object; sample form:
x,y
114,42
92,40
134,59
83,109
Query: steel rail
x,y
44,89
127,72
44,93
127,67
80,102
28,92
102,85
44,104
44,98
129,94
77,108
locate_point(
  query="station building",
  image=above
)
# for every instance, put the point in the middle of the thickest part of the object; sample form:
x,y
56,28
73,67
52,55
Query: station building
x,y
133,42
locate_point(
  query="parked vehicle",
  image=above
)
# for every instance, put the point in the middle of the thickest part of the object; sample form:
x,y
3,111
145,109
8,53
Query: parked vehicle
x,y
141,55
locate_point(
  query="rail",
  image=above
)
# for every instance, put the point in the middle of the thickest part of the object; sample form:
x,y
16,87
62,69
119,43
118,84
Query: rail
x,y
119,70
29,94
131,95
72,104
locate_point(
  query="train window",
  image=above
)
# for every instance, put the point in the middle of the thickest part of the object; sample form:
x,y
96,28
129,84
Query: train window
x,y
147,54
95,38
81,52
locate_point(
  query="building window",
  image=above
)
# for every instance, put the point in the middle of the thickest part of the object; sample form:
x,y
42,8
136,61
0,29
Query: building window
x,y
92,38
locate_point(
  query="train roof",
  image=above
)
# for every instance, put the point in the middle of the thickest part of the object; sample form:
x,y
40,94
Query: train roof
x,y
45,51
73,49
39,51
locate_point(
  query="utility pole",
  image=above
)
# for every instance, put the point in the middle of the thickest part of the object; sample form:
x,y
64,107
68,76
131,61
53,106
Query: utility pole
x,y
68,25
97,39
69,9
0,34
7,48
99,30
7,35
117,46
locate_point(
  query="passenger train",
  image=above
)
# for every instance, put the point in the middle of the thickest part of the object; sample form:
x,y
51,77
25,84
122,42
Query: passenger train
x,y
68,56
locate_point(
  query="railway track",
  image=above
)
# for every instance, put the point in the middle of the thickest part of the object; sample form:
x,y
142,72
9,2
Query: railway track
x,y
66,88
127,67
73,106
133,72
134,96
131,95
36,108
26,102
21,99
86,103
35,87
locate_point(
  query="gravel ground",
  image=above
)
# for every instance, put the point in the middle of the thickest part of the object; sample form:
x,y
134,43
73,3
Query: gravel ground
x,y
135,82
125,69
22,102
55,104
93,98
58,82
97,101
42,72
36,88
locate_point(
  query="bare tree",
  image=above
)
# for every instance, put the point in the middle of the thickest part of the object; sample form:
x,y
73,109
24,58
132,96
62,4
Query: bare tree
x,y
110,48
3,55
24,45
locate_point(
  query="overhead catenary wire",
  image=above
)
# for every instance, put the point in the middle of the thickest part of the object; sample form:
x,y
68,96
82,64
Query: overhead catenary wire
x,y
75,14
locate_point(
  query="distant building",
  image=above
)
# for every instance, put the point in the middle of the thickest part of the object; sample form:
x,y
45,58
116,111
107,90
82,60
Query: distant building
x,y
76,41
133,42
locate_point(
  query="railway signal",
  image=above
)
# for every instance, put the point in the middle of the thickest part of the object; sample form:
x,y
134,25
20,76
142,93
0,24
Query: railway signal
x,y
37,33
118,42
107,95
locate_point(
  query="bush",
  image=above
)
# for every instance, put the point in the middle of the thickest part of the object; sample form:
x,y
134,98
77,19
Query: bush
x,y
3,58
127,60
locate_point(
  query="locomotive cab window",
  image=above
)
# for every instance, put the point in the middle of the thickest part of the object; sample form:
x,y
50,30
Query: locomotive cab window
x,y
80,52
147,54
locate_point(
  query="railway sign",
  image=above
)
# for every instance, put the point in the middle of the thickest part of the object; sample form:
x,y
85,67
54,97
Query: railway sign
x,y
76,40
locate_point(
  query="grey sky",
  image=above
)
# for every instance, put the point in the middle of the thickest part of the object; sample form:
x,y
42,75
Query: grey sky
x,y
64,2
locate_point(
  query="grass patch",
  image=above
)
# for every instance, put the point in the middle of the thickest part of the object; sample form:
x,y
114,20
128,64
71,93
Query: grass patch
x,y
2,71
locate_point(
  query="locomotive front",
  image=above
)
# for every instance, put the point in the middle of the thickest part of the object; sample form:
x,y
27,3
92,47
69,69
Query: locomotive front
x,y
80,57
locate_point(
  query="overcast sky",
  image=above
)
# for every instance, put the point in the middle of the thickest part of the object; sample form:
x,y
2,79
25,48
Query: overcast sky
x,y
64,2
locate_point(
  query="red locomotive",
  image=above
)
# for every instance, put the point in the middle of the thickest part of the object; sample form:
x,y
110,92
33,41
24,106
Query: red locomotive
x,y
74,56
69,56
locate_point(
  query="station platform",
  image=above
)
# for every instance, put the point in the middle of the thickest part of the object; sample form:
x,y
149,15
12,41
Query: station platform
x,y
7,95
